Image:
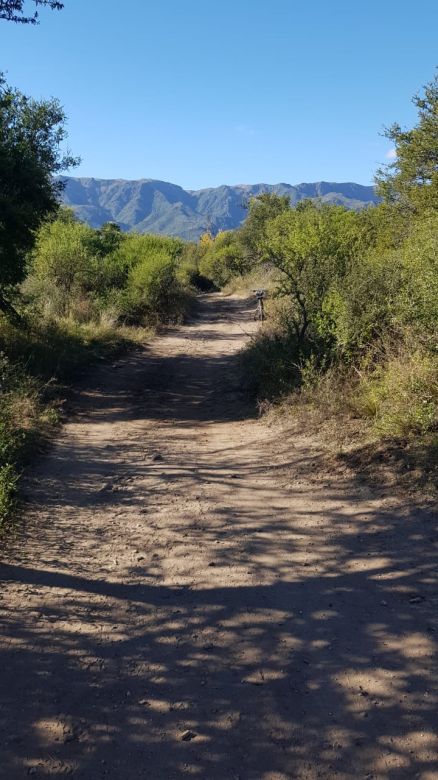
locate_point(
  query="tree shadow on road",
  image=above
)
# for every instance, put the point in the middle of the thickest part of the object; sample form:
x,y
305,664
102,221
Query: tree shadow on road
x,y
271,678
297,644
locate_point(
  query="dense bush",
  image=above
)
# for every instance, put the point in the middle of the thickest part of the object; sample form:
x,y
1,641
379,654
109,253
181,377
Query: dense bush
x,y
417,300
153,292
85,275
358,326
64,271
83,288
222,258
400,394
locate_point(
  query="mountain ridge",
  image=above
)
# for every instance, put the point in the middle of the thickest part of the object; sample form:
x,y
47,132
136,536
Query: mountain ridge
x,y
155,206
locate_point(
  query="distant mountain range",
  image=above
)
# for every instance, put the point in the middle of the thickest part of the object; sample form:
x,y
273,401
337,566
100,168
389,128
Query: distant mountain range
x,y
151,206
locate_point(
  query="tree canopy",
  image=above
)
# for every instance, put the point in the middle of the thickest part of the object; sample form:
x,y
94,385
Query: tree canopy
x,y
261,209
31,135
13,10
412,178
310,246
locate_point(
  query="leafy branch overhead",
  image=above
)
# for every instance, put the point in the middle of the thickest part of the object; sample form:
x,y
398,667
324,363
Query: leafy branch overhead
x,y
13,10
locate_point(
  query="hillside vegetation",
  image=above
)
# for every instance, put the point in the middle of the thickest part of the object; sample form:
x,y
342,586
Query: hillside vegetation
x,y
150,206
353,309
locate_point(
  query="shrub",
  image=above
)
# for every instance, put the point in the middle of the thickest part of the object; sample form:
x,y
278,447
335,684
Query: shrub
x,y
153,293
90,275
311,247
64,270
223,259
401,394
417,303
360,307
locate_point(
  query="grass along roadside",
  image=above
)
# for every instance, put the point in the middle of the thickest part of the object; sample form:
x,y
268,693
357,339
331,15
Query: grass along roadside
x,y
37,363
378,423
88,295
407,465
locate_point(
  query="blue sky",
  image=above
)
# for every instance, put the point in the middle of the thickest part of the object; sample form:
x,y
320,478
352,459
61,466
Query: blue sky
x,y
206,92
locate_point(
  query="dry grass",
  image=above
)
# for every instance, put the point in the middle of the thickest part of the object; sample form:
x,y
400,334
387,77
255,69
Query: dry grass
x,y
391,448
37,363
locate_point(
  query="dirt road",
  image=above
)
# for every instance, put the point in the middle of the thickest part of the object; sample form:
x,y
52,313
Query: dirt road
x,y
193,595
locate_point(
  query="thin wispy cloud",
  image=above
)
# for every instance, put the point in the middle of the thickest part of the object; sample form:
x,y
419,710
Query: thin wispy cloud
x,y
244,130
391,154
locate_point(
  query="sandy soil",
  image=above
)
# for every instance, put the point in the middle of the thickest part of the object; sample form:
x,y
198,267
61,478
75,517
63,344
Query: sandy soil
x,y
194,595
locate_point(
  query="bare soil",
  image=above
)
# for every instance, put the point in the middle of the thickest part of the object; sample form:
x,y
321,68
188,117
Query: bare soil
x,y
195,594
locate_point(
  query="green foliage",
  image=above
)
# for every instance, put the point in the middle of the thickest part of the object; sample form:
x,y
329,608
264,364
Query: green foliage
x,y
261,210
107,239
387,289
223,258
65,267
412,178
358,330
362,303
311,247
188,267
85,274
153,293
31,136
373,278
417,300
400,394
153,288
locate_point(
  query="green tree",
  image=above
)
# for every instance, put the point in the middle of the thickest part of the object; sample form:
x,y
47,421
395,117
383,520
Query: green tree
x,y
64,266
311,246
417,299
223,259
412,178
107,239
261,210
31,134
146,271
13,10
152,289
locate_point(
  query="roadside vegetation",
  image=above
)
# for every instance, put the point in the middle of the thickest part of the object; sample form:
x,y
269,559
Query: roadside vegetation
x,y
86,295
353,296
69,294
353,309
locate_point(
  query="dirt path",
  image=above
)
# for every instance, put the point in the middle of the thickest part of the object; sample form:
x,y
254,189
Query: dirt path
x,y
193,596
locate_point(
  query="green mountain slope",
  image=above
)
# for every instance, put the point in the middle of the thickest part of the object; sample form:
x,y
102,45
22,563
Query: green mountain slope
x,y
151,206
